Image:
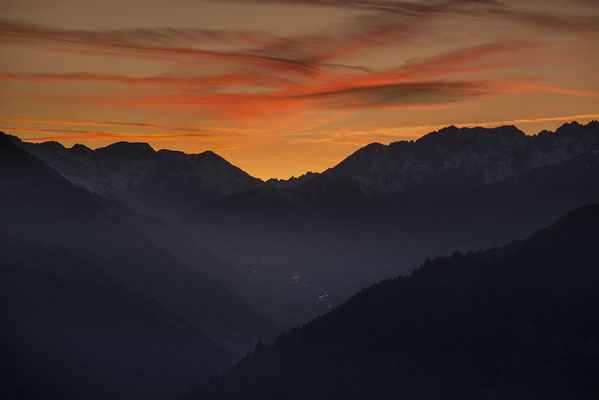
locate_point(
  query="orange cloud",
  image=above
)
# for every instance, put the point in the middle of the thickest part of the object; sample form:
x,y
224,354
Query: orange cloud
x,y
92,135
205,129
123,43
539,14
526,89
206,82
284,92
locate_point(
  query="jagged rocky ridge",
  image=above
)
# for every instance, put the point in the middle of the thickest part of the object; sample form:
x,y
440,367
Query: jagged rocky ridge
x,y
161,183
449,160
453,159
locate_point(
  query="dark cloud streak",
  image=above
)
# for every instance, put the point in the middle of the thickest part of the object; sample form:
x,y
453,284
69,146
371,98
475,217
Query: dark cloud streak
x,y
478,8
397,94
145,41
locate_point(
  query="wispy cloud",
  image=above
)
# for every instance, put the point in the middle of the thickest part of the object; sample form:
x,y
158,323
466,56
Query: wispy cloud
x,y
541,15
293,71
418,83
396,94
79,134
200,130
133,37
372,60
160,44
205,82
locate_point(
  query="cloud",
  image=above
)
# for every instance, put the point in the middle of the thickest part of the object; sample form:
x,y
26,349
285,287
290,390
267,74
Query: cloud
x,y
403,86
419,83
267,78
388,6
531,89
157,43
539,14
411,94
134,37
101,134
467,59
197,131
206,82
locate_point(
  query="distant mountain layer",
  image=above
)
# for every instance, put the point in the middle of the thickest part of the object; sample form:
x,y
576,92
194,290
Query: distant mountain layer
x,y
170,183
40,205
448,161
454,159
517,322
161,183
192,255
385,208
316,239
71,331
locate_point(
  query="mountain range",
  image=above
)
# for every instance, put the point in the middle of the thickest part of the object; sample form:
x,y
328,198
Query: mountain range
x,y
293,249
158,183
39,205
385,208
200,261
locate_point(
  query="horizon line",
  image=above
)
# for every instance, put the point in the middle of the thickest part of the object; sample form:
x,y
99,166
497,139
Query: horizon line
x,y
435,128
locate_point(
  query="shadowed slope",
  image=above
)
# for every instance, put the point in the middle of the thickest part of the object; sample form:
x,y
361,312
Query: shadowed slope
x,y
39,204
71,331
521,321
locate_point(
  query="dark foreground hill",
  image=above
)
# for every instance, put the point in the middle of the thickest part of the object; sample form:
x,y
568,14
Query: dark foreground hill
x,y
516,322
71,331
138,185
40,205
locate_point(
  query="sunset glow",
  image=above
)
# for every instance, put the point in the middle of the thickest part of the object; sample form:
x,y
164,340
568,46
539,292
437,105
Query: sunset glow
x,y
282,87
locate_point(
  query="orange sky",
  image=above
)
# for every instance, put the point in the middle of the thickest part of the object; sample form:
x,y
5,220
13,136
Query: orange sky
x,y
281,87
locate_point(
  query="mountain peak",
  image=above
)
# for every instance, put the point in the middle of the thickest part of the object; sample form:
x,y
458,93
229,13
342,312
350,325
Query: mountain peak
x,y
570,129
448,129
56,146
209,155
505,130
80,149
128,148
508,129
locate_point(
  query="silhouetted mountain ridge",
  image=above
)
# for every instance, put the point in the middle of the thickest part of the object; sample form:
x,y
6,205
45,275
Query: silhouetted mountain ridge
x,y
456,157
161,183
40,205
385,208
449,160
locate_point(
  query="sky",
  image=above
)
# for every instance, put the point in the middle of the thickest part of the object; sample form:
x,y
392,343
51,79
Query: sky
x,y
282,87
